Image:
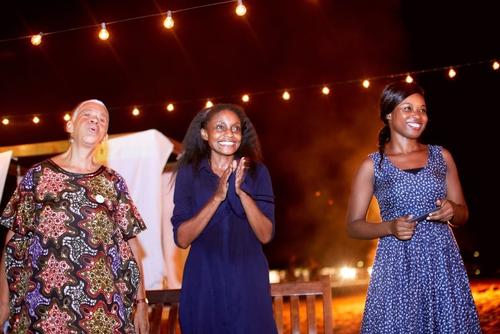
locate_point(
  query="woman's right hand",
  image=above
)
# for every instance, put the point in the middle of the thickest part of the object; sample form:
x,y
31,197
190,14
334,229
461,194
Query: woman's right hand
x,y
221,192
402,229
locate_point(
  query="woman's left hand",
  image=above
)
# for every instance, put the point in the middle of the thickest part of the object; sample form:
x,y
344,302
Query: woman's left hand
x,y
240,174
446,211
141,322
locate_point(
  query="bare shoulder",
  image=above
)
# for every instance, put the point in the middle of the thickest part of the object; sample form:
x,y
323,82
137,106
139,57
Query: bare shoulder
x,y
447,156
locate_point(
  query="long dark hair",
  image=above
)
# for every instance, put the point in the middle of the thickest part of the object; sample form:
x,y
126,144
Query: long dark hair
x,y
196,149
392,95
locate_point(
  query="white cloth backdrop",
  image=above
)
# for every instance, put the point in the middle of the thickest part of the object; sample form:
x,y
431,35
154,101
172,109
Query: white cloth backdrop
x,y
4,169
140,158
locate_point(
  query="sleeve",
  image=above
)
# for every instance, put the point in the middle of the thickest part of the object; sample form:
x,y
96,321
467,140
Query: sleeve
x,y
183,198
126,215
19,213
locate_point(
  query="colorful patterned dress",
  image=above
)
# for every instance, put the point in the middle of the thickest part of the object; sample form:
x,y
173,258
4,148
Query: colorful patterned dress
x,y
69,267
418,285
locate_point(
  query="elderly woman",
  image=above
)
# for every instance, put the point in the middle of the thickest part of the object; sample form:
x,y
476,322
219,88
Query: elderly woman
x,y
71,246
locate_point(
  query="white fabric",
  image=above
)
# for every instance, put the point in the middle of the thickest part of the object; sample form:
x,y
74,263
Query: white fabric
x,y
4,169
140,158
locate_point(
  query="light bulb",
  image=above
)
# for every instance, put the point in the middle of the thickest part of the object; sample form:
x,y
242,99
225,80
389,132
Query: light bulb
x,y
245,98
169,21
170,107
495,65
452,73
209,104
409,79
366,83
286,95
103,33
67,117
136,111
36,39
5,121
325,90
36,120
240,9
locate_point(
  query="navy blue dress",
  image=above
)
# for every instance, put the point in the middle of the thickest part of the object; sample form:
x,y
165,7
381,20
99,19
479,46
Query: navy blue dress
x,y
225,287
418,285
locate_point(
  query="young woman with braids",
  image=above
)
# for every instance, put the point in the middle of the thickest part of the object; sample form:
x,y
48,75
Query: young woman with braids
x,y
418,283
224,210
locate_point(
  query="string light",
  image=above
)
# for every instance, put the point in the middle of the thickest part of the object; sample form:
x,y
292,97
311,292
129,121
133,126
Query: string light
x,y
36,40
452,73
240,10
409,79
67,117
169,21
136,111
103,33
451,70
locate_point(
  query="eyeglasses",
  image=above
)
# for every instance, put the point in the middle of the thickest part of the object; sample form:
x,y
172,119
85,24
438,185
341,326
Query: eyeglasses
x,y
410,108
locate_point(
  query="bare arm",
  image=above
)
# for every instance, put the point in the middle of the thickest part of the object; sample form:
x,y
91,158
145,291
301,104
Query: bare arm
x,y
141,321
453,207
361,193
191,228
4,287
261,225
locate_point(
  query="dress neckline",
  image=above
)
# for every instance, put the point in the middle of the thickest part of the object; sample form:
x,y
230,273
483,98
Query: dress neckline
x,y
62,170
408,170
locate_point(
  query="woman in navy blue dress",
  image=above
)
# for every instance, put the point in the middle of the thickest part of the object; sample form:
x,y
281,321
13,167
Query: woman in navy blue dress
x,y
224,210
418,283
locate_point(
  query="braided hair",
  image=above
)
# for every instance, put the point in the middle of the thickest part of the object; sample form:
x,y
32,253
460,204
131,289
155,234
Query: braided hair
x,y
392,95
196,149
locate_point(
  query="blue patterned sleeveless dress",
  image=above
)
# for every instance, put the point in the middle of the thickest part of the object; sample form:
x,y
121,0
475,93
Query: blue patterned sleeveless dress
x,y
418,285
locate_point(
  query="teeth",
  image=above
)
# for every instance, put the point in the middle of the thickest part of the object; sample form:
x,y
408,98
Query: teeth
x,y
226,143
415,125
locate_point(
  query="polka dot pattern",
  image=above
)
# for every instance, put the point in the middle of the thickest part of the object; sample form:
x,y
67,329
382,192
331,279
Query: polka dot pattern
x,y
418,285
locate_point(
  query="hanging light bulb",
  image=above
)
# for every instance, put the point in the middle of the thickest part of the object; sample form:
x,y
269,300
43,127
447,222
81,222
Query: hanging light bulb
x,y
36,39
209,104
495,65
170,107
36,120
409,79
169,21
5,121
286,95
245,98
366,83
452,73
67,117
103,33
136,111
325,90
240,8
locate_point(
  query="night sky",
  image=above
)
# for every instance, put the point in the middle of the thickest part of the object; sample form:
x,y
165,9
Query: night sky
x,y
312,144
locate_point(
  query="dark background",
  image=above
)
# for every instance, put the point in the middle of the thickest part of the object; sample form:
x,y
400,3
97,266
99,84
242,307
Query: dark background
x,y
313,143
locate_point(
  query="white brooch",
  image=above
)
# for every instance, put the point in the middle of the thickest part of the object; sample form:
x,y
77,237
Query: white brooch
x,y
99,198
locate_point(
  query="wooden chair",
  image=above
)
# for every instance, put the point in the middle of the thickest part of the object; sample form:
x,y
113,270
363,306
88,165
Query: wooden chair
x,y
158,299
281,293
292,291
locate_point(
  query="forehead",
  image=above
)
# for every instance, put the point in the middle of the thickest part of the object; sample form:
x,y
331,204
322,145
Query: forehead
x,y
415,99
92,106
225,115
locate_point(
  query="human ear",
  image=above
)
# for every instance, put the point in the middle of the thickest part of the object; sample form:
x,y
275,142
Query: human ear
x,y
204,134
388,116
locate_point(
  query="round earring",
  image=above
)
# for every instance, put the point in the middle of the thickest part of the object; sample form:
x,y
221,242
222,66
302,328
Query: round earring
x,y
388,116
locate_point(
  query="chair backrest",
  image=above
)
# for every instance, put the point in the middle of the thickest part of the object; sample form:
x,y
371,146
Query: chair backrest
x,y
291,292
158,299
283,294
